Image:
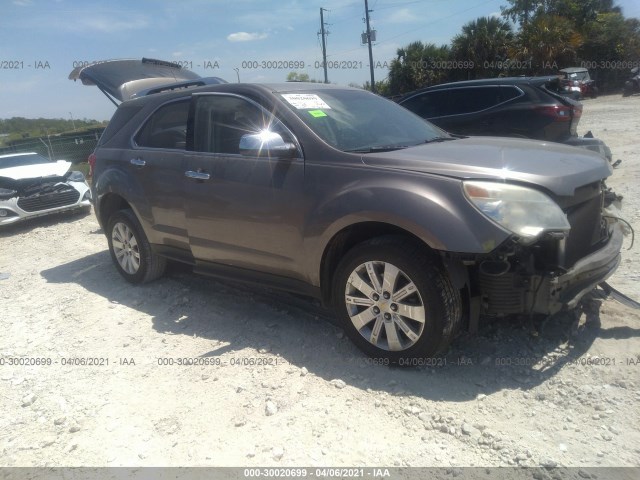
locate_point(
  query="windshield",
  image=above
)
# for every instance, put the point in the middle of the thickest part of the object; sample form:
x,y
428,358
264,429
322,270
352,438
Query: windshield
x,y
22,160
359,121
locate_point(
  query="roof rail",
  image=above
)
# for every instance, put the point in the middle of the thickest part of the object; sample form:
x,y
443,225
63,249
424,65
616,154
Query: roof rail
x,y
177,86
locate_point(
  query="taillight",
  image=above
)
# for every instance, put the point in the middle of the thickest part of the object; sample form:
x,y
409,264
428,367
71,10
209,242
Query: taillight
x,y
560,113
92,163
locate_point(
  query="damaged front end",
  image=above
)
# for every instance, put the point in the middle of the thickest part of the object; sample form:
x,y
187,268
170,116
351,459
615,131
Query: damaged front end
x,y
30,197
550,265
517,282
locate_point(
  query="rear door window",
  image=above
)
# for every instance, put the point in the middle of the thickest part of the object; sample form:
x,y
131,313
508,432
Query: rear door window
x,y
473,99
166,127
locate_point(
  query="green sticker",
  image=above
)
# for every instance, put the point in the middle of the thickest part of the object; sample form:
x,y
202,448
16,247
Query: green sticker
x,y
317,113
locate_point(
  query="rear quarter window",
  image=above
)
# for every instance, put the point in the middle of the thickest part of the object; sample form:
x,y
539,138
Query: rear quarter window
x,y
509,93
123,115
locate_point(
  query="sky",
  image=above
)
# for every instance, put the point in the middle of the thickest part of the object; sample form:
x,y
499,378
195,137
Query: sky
x,y
41,41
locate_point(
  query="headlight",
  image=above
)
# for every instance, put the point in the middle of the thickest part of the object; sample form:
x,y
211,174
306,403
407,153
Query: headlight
x,y
7,193
76,176
524,211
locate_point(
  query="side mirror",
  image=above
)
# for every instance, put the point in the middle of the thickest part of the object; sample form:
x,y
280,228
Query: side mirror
x,y
266,144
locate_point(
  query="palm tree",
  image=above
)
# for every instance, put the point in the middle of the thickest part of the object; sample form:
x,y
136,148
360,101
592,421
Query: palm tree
x,y
484,42
522,11
580,11
416,66
548,42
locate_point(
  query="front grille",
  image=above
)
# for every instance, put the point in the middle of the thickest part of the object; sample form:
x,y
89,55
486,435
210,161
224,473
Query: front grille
x,y
587,227
45,201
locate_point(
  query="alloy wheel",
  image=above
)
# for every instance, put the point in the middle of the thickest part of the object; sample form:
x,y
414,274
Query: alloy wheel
x,y
125,248
385,306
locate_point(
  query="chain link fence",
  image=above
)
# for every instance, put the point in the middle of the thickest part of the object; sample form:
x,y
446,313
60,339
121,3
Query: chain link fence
x,y
72,147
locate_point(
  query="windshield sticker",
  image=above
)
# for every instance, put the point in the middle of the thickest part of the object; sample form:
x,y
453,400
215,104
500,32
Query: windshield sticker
x,y
317,113
305,101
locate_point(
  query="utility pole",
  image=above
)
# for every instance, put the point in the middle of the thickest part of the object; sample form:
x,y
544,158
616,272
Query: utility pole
x,y
366,12
324,46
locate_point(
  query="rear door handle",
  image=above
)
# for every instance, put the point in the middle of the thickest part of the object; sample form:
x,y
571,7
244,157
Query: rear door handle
x,y
137,162
197,175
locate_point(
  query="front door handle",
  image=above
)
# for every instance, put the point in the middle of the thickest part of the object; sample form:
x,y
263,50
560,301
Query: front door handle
x,y
197,175
137,162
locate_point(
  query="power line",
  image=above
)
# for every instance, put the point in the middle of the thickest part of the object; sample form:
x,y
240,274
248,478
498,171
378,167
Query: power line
x,y
424,25
400,4
437,21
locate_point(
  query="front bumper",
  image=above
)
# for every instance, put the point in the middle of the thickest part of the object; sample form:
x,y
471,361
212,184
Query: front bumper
x,y
546,292
10,211
556,293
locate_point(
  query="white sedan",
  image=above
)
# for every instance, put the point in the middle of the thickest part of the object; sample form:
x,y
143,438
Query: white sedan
x,y
31,186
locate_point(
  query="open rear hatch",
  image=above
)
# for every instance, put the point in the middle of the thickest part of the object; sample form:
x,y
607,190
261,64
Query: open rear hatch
x,y
125,79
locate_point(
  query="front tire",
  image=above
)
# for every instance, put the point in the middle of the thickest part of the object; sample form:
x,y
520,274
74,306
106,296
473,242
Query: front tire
x,y
130,250
395,301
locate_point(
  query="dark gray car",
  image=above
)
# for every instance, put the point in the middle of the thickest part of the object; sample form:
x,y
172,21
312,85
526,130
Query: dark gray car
x,y
411,234
517,107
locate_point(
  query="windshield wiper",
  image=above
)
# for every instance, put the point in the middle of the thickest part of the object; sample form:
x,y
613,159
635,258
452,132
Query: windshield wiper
x,y
438,140
377,148
390,148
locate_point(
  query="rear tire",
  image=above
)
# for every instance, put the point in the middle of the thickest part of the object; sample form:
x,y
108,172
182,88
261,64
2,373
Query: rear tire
x,y
396,302
130,250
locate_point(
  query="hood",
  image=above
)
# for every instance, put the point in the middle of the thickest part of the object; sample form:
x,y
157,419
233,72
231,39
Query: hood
x,y
558,168
122,79
52,169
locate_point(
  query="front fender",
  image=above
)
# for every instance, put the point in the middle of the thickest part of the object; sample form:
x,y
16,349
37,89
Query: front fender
x,y
432,208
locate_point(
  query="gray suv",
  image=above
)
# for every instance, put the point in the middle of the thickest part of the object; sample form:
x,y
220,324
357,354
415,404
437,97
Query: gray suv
x,y
409,233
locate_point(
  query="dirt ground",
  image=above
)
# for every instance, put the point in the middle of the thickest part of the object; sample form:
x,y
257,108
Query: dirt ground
x,y
276,383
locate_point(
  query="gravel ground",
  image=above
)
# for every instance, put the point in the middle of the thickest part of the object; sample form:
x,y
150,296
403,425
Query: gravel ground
x,y
284,386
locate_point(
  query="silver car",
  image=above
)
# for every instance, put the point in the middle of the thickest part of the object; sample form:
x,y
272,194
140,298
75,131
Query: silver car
x,y
32,185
